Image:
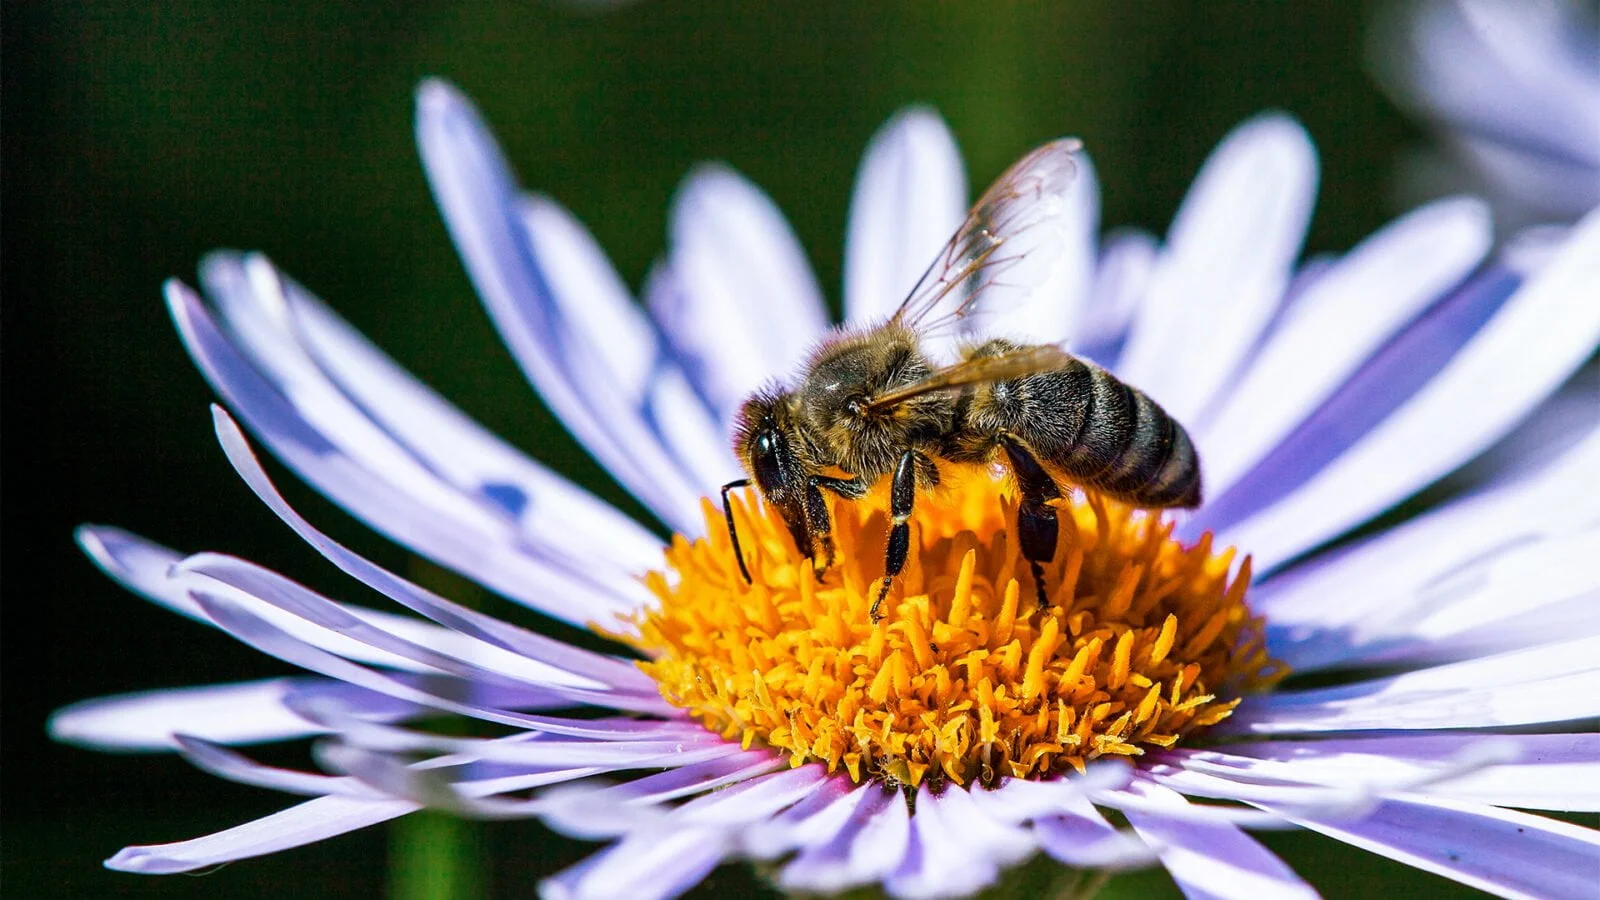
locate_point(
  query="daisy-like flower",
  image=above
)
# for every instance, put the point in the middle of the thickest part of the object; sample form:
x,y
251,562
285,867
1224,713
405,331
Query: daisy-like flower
x,y
1513,89
1138,717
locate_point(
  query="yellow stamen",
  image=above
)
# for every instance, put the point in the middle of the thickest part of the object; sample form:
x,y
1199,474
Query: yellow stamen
x,y
962,680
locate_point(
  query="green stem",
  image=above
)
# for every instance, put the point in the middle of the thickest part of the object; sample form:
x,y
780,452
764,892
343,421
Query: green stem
x,y
434,855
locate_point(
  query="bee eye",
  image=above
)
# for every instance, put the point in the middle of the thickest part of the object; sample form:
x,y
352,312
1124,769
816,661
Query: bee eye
x,y
856,407
764,443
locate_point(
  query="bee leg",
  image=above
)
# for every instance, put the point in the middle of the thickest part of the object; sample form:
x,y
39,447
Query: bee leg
x,y
1037,527
733,533
821,529
821,522
902,498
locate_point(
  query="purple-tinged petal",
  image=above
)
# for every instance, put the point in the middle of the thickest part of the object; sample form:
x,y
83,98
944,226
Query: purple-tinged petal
x,y
910,196
815,820
636,386
647,866
383,486
156,572
1548,771
1212,860
1052,312
1382,385
251,712
550,509
880,844
307,823
426,645
1507,853
1522,596
596,811
435,787
1338,321
223,763
1515,83
753,800
1228,258
956,849
1530,346
750,307
609,671
1556,682
1395,569
1065,823
540,280
842,861
1121,279
443,693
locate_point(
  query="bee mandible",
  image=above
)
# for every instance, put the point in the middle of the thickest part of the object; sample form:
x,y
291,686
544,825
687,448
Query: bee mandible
x,y
873,403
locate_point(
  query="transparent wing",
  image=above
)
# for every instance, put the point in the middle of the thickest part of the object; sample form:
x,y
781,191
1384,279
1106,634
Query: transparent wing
x,y
1010,243
978,370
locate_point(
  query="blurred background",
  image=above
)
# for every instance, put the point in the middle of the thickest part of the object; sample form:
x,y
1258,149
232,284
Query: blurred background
x,y
139,136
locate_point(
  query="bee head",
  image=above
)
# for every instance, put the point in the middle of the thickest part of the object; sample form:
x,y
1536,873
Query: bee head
x,y
768,446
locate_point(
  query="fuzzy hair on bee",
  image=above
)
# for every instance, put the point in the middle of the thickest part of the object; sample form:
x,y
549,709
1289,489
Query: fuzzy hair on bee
x,y
871,403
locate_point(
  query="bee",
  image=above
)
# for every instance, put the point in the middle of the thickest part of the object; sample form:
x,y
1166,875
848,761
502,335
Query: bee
x,y
874,403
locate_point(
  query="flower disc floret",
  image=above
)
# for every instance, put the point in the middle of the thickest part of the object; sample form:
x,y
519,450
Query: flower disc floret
x,y
1144,641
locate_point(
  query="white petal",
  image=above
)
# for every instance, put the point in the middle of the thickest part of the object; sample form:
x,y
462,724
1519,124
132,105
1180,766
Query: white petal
x,y
752,801
542,278
1228,258
426,645
1212,859
1550,683
647,866
312,821
910,196
1519,357
1065,823
1121,280
484,700
1053,311
751,308
552,509
812,822
236,767
595,669
1549,771
955,849
354,463
616,362
247,713
881,843
1340,320
1507,853
1391,569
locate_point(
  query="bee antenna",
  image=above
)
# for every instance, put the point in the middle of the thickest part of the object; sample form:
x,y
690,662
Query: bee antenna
x,y
733,533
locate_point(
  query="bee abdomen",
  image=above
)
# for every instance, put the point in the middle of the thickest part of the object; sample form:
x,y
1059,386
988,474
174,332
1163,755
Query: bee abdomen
x,y
1131,449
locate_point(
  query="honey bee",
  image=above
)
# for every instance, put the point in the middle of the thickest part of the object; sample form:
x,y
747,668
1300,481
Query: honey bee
x,y
873,403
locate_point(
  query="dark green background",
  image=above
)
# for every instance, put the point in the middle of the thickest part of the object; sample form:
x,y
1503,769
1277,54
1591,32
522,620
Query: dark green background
x,y
136,139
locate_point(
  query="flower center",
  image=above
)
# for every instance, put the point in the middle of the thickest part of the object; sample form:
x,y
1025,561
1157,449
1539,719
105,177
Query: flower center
x,y
965,678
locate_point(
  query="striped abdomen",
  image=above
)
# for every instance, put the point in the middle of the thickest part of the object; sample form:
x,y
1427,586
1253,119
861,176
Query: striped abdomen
x,y
1092,428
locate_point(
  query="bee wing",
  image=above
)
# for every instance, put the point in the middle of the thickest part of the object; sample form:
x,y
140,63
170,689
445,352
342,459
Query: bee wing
x,y
1011,240
979,370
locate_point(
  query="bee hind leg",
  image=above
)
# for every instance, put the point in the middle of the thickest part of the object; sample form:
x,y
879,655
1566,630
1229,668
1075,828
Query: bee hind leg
x,y
902,500
1038,529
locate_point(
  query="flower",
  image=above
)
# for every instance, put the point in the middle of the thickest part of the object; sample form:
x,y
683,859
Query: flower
x,y
1320,396
1513,89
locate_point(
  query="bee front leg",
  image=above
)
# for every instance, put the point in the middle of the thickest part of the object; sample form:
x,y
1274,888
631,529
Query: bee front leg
x,y
902,499
821,522
1037,527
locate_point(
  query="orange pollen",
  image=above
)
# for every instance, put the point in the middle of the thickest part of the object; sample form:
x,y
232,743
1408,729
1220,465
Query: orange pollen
x,y
1144,641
